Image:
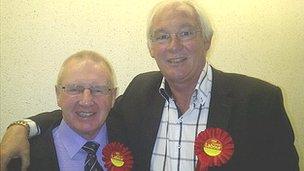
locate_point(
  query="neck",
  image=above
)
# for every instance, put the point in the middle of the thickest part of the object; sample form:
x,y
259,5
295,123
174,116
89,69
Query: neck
x,y
182,92
90,135
185,87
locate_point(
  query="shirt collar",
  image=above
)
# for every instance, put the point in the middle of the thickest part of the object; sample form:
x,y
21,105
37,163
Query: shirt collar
x,y
203,86
73,142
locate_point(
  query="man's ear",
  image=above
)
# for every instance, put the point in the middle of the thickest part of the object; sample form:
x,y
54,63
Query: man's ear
x,y
149,47
114,94
207,45
57,90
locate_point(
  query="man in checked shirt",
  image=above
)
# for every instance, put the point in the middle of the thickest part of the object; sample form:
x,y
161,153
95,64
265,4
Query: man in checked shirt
x,y
160,113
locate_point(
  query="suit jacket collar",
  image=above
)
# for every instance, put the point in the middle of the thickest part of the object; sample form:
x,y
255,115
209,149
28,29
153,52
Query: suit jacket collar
x,y
152,121
219,109
220,102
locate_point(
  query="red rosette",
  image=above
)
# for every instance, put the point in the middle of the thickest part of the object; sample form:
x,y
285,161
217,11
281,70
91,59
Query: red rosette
x,y
117,157
213,147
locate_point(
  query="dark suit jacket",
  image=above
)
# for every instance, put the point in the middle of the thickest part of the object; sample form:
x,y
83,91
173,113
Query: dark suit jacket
x,y
251,110
42,150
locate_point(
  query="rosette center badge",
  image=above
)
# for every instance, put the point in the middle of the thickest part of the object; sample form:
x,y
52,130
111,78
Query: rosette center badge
x,y
117,159
213,147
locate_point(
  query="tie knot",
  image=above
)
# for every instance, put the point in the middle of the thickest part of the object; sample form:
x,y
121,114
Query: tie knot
x,y
90,147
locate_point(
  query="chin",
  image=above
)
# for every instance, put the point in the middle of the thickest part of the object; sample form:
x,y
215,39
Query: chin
x,y
88,131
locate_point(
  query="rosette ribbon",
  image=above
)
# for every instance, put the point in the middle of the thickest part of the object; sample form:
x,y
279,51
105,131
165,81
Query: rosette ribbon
x,y
117,157
213,147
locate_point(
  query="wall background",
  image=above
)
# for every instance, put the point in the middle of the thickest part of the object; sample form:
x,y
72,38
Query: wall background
x,y
259,38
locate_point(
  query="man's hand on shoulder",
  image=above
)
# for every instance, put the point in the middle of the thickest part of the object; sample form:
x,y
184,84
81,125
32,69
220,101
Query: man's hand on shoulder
x,y
15,144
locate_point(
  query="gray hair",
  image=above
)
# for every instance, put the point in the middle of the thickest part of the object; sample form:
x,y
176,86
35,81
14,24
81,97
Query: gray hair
x,y
88,55
207,30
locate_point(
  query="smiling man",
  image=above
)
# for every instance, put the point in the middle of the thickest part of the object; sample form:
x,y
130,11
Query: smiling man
x,y
85,93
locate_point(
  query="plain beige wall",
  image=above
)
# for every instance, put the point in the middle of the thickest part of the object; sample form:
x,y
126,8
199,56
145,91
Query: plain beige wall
x,y
260,38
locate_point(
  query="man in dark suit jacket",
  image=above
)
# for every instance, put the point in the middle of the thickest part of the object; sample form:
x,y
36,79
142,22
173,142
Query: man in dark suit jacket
x,y
250,110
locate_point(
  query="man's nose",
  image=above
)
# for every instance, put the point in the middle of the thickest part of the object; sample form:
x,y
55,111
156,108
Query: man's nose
x,y
174,43
87,98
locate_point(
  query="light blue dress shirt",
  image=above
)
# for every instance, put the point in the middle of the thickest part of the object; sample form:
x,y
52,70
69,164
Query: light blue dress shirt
x,y
68,147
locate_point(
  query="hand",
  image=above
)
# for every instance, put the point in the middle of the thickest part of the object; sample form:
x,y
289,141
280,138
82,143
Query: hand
x,y
15,144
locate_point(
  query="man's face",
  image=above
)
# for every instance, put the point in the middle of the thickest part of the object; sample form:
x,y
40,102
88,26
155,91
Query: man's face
x,y
85,112
179,60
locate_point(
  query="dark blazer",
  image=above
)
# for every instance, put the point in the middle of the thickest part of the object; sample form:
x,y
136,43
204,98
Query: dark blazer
x,y
251,110
42,150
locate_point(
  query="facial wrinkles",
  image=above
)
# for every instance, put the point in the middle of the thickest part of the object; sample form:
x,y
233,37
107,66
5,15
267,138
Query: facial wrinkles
x,y
180,59
85,113
177,51
86,75
89,76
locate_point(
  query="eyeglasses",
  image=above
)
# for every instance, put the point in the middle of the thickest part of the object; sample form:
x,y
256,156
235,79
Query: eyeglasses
x,y
96,90
164,37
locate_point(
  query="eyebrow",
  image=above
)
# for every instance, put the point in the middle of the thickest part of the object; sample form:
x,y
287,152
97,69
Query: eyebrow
x,y
183,26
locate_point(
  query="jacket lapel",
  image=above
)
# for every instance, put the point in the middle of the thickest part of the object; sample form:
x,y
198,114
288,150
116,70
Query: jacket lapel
x,y
220,102
154,111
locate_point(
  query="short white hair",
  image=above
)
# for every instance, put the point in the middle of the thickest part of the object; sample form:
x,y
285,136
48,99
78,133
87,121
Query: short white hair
x,y
88,55
207,30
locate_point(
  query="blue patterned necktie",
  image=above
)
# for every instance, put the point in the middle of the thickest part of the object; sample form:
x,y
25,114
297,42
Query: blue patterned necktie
x,y
91,162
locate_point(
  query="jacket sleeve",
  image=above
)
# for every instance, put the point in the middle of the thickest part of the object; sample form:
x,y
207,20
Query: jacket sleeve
x,y
284,156
270,138
14,165
45,120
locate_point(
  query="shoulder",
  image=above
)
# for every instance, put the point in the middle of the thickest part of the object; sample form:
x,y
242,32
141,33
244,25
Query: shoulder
x,y
140,90
147,77
47,117
144,83
243,83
